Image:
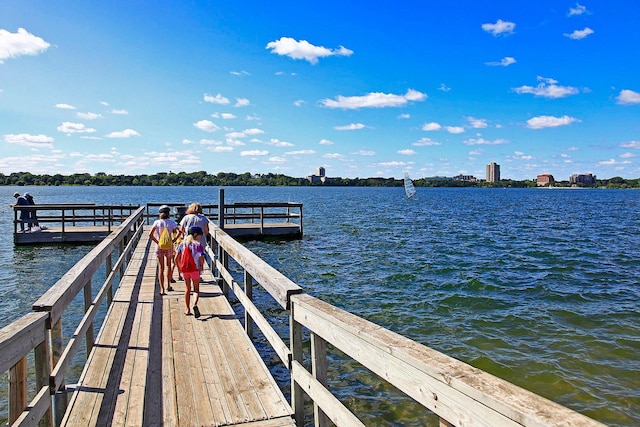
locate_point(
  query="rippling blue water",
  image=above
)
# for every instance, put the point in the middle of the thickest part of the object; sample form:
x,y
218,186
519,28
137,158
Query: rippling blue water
x,y
537,286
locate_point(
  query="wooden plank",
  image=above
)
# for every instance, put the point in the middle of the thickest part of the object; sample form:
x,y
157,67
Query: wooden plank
x,y
36,410
20,337
169,395
185,397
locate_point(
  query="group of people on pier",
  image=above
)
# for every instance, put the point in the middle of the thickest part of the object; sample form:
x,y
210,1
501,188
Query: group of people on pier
x,y
183,246
28,217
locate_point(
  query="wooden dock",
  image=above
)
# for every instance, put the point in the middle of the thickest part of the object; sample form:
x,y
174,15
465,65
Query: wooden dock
x,y
153,365
150,364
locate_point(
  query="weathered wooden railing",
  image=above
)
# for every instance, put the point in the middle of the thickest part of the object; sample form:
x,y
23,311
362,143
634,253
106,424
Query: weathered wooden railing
x,y
455,391
36,330
72,214
239,213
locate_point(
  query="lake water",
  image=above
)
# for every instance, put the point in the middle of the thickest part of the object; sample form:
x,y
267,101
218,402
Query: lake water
x,y
537,286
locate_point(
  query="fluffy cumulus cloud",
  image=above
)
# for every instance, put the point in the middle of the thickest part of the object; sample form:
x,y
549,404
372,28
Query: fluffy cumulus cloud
x,y
207,126
547,88
504,62
431,126
88,116
374,100
500,27
127,133
28,140
628,97
65,107
407,152
302,49
579,34
578,10
477,123
454,129
70,127
482,141
242,102
252,153
542,122
217,99
630,144
20,43
352,126
425,142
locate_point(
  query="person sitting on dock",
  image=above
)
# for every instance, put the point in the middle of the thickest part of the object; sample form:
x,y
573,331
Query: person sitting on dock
x,y
191,262
25,215
163,232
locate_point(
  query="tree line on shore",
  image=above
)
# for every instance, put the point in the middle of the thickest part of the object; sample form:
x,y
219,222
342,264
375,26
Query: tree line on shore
x,y
222,179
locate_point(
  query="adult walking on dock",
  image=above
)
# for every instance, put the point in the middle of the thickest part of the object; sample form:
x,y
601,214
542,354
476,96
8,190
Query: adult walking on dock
x,y
164,232
190,259
195,218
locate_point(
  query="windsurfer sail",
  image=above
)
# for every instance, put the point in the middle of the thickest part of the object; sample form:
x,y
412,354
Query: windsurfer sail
x,y
408,186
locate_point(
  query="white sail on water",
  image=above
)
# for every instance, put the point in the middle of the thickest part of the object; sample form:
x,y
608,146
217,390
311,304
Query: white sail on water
x,y
408,186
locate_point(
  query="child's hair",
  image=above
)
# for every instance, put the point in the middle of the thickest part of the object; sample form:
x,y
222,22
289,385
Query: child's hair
x,y
189,239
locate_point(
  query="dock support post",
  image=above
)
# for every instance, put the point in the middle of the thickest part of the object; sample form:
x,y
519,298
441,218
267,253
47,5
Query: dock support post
x,y
17,389
60,397
221,208
43,370
248,290
297,394
88,300
108,263
319,371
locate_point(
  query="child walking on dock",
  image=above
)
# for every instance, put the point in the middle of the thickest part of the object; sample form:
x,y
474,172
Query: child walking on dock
x,y
164,232
190,262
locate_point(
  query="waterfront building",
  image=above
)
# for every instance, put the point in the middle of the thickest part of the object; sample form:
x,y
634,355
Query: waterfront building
x,y
461,177
493,172
585,179
545,179
319,177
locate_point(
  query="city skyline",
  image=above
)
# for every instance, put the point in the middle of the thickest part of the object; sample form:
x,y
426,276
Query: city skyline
x,y
436,90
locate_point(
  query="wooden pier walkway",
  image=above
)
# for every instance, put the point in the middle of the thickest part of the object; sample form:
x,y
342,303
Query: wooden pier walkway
x,y
153,365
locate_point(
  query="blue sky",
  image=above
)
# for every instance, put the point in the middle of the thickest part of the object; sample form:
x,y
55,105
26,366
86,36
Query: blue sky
x,y
363,89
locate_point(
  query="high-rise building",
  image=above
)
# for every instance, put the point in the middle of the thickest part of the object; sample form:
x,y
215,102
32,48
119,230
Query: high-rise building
x,y
320,172
493,172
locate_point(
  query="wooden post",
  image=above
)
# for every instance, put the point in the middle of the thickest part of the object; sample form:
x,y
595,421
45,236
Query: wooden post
x,y
108,267
261,220
88,300
297,396
60,397
445,423
319,371
17,389
43,370
225,264
221,208
248,290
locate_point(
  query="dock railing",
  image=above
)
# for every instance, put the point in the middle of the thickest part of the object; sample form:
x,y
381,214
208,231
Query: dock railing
x,y
457,393
41,331
64,215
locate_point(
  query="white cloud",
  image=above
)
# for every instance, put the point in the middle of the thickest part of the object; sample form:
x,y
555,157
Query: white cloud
x,y
628,97
298,103
444,88
28,140
578,10
364,153
542,122
407,152
88,116
120,112
276,142
65,107
404,116
627,155
20,43
333,156
207,126
423,142
613,162
69,127
579,34
454,129
482,141
374,100
352,126
477,123
325,142
547,88
630,144
254,153
299,152
392,164
431,126
218,99
302,49
500,27
221,149
253,131
242,102
239,73
519,155
127,133
504,62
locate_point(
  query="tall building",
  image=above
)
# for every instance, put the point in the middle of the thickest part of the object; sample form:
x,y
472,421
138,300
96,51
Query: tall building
x,y
586,179
493,172
320,171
